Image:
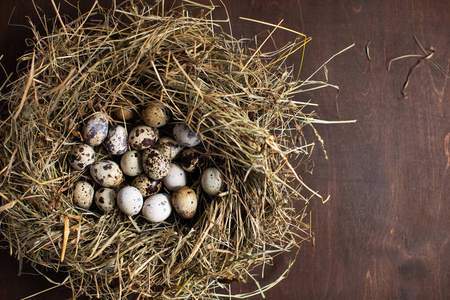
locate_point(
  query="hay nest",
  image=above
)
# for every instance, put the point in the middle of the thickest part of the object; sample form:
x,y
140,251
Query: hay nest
x,y
238,100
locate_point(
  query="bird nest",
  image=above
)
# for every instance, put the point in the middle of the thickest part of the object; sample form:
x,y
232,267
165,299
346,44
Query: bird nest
x,y
236,99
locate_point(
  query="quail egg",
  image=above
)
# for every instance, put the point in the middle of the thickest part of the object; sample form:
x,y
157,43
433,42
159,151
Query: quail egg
x,y
175,178
142,137
131,163
156,114
83,194
184,136
106,173
96,129
130,200
211,181
124,109
157,208
184,201
124,113
116,141
168,147
81,156
105,199
146,186
190,160
155,165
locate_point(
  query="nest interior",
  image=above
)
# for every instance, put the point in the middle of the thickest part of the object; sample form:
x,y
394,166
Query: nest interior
x,y
238,100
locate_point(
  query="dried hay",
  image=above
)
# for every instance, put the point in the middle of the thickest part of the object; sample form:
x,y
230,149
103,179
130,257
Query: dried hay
x,y
238,100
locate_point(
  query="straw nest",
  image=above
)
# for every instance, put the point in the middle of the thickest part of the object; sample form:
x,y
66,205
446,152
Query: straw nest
x,y
238,100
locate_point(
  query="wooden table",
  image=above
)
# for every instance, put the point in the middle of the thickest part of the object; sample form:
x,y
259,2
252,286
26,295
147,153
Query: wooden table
x,y
385,232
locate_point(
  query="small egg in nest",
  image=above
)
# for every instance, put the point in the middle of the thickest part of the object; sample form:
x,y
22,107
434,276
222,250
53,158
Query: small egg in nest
x,y
129,200
107,173
81,156
147,186
131,163
96,129
116,141
143,137
185,136
157,208
156,114
184,200
105,199
155,165
83,194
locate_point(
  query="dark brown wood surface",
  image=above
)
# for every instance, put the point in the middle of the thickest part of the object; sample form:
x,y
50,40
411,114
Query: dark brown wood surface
x,y
385,232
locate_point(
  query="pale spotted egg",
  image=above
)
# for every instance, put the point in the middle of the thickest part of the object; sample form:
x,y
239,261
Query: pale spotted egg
x,y
157,208
130,200
185,136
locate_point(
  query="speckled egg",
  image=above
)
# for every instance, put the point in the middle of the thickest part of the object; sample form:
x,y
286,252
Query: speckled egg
x,y
156,114
116,142
124,108
143,137
106,173
168,147
130,200
155,165
105,199
190,159
81,156
184,201
95,130
157,208
211,181
131,163
175,178
123,113
147,186
184,136
83,194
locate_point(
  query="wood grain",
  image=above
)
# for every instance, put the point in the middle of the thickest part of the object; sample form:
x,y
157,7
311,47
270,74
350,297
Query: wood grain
x,y
385,232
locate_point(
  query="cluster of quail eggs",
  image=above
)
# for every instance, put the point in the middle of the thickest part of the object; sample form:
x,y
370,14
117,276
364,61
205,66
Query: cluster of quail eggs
x,y
143,172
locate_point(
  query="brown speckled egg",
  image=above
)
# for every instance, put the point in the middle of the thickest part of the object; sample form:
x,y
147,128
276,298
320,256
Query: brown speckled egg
x,y
106,173
190,160
155,165
105,199
147,186
156,114
83,194
123,113
168,147
116,141
96,129
143,137
81,156
184,201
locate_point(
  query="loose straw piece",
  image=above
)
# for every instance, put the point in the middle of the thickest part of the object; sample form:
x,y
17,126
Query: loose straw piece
x,y
65,237
27,87
7,205
422,58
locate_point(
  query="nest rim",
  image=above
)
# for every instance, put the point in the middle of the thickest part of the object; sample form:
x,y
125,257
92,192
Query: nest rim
x,y
66,226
